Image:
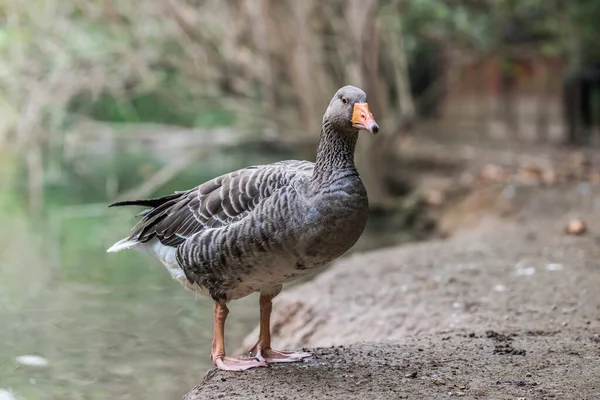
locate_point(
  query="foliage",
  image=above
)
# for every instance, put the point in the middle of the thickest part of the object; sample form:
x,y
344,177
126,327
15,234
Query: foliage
x,y
253,63
585,15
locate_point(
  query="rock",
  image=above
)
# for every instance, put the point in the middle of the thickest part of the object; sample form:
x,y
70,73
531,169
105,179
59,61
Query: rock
x,y
493,173
381,371
576,227
434,198
549,177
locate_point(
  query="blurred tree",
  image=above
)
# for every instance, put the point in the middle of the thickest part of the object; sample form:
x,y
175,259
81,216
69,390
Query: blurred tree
x,y
269,66
581,87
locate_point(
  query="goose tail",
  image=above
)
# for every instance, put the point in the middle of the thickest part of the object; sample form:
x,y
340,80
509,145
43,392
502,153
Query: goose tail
x,y
122,244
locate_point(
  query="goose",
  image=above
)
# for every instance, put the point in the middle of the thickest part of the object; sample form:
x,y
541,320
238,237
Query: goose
x,y
256,228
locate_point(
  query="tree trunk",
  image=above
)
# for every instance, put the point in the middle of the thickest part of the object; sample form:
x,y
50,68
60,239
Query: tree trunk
x,y
402,81
370,153
258,11
306,67
509,100
375,153
542,102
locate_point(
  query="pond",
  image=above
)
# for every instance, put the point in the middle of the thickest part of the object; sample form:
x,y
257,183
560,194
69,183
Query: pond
x,y
115,329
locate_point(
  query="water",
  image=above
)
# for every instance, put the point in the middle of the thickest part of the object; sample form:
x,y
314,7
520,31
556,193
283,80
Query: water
x,y
112,329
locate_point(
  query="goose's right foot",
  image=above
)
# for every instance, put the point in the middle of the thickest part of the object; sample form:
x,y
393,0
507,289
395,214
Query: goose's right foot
x,y
217,355
275,356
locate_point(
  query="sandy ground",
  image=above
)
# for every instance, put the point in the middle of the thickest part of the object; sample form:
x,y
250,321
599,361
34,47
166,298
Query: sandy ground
x,y
509,310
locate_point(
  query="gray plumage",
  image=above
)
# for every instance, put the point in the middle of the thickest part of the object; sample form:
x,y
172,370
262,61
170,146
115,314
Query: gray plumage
x,y
259,227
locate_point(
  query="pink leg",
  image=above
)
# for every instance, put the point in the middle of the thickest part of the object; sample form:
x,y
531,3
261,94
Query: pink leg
x,y
262,350
217,354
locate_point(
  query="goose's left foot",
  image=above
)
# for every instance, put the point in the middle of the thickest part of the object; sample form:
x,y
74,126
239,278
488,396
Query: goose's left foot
x,y
275,356
262,350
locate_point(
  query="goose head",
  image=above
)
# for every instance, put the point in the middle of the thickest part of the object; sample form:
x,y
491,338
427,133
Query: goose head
x,y
349,111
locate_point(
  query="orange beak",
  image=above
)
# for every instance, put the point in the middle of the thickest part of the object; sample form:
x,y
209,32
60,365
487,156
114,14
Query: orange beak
x,y
363,119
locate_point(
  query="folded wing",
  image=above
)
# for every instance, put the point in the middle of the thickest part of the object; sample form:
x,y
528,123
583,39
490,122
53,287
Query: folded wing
x,y
218,202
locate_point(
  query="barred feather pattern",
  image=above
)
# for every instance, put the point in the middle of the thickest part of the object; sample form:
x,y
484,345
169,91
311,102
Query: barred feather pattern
x,y
216,203
262,226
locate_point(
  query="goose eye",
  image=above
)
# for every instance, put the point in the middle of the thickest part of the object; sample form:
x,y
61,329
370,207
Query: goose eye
x,y
344,100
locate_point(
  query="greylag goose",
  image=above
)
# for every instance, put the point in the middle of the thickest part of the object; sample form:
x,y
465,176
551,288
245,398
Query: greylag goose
x,y
257,228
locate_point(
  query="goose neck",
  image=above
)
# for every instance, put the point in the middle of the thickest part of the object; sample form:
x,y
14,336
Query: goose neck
x,y
335,151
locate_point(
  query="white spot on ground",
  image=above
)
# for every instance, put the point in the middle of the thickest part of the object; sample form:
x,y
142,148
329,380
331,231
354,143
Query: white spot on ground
x,y
500,288
554,267
526,271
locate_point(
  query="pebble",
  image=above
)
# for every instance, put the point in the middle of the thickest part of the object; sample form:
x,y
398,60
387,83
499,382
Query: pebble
x,y
576,227
526,271
554,267
500,288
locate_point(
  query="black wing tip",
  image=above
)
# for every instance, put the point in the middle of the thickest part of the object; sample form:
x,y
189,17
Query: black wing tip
x,y
128,203
152,203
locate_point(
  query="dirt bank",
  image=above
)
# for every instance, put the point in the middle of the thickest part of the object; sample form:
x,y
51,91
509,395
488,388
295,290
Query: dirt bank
x,y
509,310
513,365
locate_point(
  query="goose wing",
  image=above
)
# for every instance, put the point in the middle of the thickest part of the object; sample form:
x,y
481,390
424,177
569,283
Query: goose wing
x,y
218,202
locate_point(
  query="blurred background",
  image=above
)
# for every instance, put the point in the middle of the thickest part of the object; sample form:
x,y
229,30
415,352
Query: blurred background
x,y
104,100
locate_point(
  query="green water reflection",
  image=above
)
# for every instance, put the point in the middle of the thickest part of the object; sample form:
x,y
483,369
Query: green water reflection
x,y
118,327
